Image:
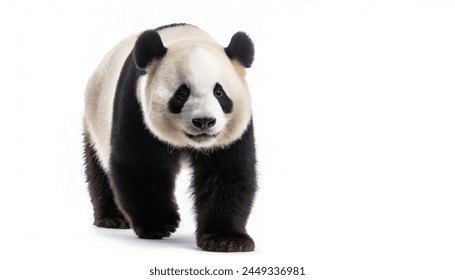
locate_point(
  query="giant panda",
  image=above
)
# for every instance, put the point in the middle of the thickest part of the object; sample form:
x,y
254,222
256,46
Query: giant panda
x,y
160,98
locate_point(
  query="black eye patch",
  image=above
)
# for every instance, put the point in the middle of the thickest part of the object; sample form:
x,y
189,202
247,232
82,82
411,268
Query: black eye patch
x,y
223,99
178,99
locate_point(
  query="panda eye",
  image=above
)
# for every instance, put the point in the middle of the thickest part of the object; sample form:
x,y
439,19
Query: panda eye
x,y
183,93
218,91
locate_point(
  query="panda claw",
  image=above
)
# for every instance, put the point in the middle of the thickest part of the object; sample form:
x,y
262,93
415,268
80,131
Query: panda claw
x,y
148,233
226,243
112,222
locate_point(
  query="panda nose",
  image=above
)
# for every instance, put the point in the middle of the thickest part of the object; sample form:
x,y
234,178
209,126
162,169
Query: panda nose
x,y
204,123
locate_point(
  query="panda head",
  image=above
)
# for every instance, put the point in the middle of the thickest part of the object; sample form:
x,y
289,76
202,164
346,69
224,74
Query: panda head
x,y
193,93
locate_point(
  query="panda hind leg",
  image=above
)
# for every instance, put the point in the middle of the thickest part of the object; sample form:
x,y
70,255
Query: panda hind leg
x,y
106,212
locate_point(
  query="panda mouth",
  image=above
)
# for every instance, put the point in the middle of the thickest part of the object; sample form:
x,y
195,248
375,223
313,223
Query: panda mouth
x,y
200,137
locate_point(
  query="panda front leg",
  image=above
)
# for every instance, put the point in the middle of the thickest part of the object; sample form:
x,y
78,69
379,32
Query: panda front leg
x,y
224,185
223,204
145,194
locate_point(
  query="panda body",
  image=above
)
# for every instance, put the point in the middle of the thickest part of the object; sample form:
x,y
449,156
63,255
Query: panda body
x,y
159,97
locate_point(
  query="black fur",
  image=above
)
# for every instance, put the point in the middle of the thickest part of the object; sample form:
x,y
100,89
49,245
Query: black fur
x,y
170,26
224,100
148,48
142,169
105,210
241,48
178,99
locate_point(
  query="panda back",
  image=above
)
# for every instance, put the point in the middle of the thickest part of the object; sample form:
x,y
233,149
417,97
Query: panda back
x,y
182,34
99,99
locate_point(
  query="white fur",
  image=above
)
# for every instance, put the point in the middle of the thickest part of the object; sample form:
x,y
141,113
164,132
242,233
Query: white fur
x,y
99,99
193,58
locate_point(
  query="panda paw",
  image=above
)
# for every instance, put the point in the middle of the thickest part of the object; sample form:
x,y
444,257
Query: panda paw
x,y
112,222
226,243
156,231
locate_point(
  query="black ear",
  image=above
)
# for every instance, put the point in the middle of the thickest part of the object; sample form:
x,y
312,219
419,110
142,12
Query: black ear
x,y
148,48
241,48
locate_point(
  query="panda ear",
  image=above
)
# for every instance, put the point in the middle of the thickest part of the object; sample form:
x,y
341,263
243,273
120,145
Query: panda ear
x,y
241,48
148,48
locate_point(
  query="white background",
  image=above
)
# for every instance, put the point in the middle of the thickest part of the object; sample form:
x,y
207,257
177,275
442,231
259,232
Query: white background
x,y
354,105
